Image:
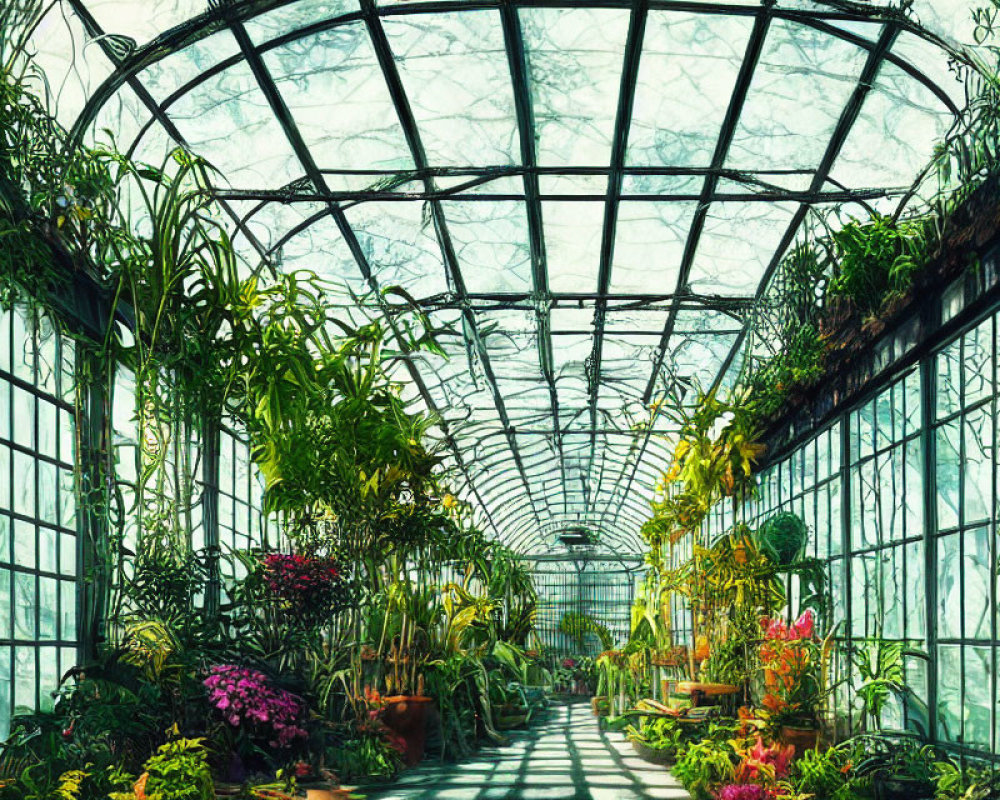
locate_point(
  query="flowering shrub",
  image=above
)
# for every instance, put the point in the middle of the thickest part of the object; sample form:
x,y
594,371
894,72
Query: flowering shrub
x,y
247,701
744,791
803,628
790,660
760,764
310,588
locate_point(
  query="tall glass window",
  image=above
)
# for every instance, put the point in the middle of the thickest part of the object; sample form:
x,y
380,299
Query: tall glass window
x,y
965,471
242,523
38,537
886,529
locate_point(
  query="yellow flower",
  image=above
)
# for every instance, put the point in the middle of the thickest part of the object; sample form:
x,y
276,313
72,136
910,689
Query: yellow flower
x,y
449,501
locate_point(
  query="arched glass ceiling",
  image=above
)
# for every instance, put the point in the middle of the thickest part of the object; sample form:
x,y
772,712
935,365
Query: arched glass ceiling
x,y
589,195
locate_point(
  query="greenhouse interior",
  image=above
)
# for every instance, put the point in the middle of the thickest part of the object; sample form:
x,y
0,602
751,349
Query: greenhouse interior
x,y
412,399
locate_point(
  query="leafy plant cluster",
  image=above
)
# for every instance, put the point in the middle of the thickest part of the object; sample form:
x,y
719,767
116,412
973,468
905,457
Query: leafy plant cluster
x,y
851,274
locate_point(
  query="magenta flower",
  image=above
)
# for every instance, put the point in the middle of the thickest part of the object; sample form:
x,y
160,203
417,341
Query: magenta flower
x,y
805,626
310,588
776,629
744,791
246,700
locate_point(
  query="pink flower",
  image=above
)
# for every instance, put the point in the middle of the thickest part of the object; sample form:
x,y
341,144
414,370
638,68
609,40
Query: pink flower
x,y
246,700
774,628
805,626
744,791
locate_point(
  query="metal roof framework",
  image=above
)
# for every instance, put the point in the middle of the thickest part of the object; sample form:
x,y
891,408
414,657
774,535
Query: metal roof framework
x,y
587,197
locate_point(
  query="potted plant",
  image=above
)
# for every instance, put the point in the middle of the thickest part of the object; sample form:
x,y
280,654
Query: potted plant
x,y
792,663
900,768
658,740
406,716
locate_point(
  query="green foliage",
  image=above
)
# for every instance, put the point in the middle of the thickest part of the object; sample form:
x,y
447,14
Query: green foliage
x,y
365,757
705,766
578,626
822,774
879,257
666,734
782,537
178,770
954,783
880,665
798,363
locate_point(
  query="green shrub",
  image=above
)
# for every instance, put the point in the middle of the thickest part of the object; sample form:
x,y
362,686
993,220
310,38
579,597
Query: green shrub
x,y
705,766
878,258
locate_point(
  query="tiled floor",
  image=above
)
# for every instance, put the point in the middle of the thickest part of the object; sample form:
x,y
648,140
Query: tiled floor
x,y
566,756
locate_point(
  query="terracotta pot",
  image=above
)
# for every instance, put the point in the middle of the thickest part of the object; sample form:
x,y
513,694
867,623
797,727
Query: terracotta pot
x,y
320,793
801,739
407,716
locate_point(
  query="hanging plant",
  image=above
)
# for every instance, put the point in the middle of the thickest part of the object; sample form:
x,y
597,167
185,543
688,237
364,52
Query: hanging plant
x,y
782,537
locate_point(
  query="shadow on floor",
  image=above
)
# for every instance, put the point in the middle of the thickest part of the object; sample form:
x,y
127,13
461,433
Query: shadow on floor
x,y
565,756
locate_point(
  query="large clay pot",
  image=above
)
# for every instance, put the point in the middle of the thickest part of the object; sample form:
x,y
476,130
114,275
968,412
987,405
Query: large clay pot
x,y
320,793
407,716
801,739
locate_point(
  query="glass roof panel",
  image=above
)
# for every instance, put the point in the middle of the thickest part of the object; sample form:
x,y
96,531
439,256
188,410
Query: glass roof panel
x,y
491,242
165,77
925,56
649,246
573,185
272,222
400,248
737,245
454,69
640,186
73,67
572,320
800,66
293,16
894,136
335,90
322,249
570,351
573,243
687,71
143,21
637,321
575,64
228,121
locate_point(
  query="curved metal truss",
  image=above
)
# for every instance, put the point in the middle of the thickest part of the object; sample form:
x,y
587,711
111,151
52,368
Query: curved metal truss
x,y
587,197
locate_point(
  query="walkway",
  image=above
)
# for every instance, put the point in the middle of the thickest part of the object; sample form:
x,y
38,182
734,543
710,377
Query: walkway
x,y
565,756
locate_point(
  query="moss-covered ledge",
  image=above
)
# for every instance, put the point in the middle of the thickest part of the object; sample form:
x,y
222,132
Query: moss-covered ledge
x,y
958,287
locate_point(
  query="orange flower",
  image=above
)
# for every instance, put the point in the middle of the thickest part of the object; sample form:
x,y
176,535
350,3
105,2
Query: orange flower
x,y
140,787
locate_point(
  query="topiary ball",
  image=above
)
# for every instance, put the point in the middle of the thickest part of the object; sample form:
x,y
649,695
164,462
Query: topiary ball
x,y
782,537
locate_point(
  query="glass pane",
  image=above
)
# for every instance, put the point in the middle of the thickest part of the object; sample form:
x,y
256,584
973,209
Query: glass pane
x,y
686,75
575,58
454,69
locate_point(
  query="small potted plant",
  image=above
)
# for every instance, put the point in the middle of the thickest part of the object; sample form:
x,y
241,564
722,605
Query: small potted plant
x,y
900,768
657,740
